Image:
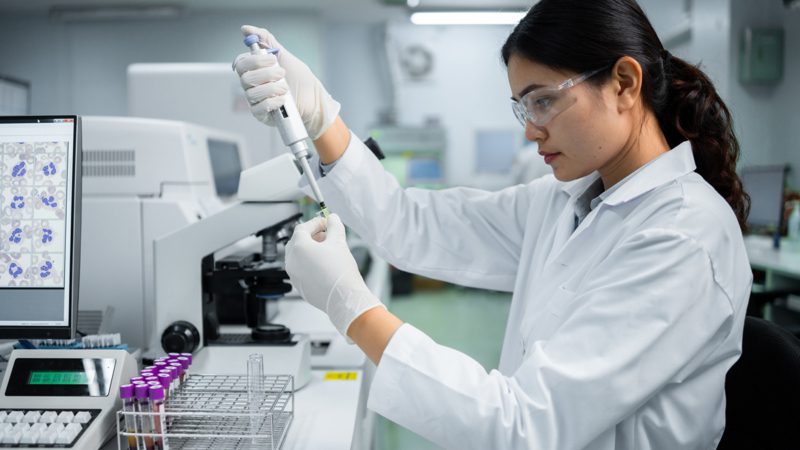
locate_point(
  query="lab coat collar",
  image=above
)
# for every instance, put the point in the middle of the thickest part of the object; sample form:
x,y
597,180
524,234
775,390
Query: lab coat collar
x,y
667,167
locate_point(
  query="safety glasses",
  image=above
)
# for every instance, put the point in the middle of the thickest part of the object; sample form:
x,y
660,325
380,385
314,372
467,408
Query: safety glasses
x,y
540,105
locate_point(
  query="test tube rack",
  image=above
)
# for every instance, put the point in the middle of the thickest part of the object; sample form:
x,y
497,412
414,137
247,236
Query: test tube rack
x,y
214,412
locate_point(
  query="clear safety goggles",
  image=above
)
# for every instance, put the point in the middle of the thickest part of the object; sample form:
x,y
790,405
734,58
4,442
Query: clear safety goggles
x,y
540,105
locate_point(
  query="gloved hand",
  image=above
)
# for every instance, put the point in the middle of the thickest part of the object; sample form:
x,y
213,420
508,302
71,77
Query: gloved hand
x,y
321,267
267,78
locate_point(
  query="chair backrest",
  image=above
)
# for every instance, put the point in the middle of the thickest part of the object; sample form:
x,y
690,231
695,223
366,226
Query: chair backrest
x,y
763,390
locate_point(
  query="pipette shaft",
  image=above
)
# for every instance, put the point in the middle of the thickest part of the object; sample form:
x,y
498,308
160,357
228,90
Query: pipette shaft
x,y
293,131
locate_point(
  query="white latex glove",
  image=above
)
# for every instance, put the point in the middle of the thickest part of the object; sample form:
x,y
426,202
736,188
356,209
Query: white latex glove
x,y
321,267
266,79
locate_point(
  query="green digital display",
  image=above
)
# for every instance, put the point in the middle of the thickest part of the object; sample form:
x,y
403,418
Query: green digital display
x,y
58,378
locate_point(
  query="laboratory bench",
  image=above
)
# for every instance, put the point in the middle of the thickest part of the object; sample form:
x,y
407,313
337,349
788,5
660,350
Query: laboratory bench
x,y
781,266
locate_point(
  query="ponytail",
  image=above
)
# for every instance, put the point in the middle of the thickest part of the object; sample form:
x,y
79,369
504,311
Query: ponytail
x,y
689,108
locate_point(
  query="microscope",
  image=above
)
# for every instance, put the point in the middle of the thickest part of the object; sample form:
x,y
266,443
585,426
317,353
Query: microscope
x,y
242,288
200,285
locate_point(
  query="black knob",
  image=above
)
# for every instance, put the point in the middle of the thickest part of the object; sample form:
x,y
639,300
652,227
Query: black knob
x,y
180,337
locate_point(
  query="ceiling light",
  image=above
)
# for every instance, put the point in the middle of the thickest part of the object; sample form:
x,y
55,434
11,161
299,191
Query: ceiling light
x,y
467,18
102,13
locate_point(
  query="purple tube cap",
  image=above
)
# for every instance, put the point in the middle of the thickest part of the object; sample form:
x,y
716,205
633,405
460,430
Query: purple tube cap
x,y
160,364
141,391
135,382
137,378
187,355
165,379
156,392
173,355
126,391
151,378
184,361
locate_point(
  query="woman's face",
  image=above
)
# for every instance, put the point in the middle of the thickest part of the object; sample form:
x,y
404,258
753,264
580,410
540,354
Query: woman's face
x,y
586,136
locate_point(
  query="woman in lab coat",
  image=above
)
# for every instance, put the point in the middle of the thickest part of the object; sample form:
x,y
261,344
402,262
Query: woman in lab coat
x,y
628,268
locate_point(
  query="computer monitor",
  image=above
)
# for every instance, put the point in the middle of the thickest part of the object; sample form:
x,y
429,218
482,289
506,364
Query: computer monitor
x,y
765,184
226,166
40,161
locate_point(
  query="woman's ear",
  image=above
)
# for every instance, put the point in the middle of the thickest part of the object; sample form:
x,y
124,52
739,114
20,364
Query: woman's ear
x,y
626,78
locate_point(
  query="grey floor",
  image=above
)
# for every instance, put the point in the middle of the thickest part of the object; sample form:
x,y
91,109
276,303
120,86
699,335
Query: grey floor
x,y
469,320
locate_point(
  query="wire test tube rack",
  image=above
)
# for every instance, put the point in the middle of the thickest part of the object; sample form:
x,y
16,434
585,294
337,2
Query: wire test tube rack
x,y
217,412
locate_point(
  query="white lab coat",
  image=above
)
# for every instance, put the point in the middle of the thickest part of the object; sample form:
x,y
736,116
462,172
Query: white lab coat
x,y
619,334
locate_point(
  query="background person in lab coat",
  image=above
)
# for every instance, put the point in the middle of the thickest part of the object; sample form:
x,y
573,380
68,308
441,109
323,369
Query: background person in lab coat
x,y
628,268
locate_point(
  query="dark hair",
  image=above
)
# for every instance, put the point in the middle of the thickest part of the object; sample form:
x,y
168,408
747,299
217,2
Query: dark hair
x,y
581,35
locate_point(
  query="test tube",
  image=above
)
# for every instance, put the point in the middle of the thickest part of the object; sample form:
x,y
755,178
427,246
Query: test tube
x,y
184,361
187,355
159,364
145,442
159,427
170,388
173,355
255,389
174,377
136,378
166,382
181,371
126,394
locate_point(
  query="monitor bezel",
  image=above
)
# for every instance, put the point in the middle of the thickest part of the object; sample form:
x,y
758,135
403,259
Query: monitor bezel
x,y
55,331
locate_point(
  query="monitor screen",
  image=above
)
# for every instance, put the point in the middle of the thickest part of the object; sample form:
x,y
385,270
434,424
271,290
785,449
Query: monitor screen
x,y
39,225
765,184
226,166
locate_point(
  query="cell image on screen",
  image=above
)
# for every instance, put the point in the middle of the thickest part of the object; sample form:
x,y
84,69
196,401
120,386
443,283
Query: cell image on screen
x,y
226,166
33,195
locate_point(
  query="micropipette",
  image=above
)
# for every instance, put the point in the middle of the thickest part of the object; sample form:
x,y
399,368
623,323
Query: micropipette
x,y
290,125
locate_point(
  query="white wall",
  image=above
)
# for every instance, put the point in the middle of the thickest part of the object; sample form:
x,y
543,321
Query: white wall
x,y
81,67
467,91
768,117
357,77
709,41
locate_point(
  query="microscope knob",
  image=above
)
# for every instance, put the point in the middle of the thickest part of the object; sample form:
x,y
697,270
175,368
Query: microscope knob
x,y
180,337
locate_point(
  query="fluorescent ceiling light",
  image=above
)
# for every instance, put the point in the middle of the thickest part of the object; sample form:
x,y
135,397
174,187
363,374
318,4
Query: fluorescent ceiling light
x,y
467,18
66,13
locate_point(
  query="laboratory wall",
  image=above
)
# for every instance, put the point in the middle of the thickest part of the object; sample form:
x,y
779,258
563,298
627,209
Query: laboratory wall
x,y
706,40
767,116
356,72
80,67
